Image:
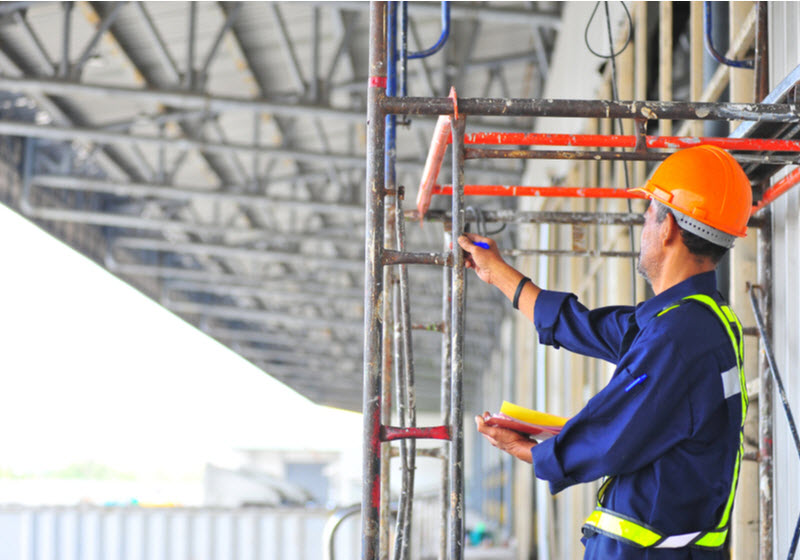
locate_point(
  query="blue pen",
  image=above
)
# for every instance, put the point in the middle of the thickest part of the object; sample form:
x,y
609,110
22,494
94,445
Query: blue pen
x,y
481,244
635,382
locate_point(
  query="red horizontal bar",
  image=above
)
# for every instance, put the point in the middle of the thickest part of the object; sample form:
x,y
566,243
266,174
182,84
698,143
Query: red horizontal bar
x,y
516,190
627,141
391,433
777,189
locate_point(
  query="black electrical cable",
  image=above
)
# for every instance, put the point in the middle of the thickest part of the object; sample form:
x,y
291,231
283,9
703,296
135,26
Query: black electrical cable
x,y
627,41
480,222
615,97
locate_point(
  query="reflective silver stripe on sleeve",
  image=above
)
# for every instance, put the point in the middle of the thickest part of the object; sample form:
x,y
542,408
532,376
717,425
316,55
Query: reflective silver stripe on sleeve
x,y
731,384
678,541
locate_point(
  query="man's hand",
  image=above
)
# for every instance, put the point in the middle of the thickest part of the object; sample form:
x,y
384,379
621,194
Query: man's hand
x,y
483,261
506,440
492,269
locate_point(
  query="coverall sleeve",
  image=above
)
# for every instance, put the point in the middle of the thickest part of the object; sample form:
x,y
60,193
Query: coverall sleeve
x,y
628,424
561,320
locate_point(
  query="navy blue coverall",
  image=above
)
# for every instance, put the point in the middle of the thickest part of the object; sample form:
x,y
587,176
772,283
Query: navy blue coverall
x,y
668,440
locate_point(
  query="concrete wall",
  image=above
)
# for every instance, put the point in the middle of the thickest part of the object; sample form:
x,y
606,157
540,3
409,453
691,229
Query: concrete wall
x,y
784,57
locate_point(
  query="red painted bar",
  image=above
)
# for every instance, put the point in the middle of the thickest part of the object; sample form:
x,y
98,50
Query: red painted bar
x,y
777,189
628,141
517,190
391,433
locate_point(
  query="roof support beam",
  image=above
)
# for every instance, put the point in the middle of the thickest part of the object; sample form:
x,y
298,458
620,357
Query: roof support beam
x,y
39,49
183,99
225,251
232,194
230,18
298,293
174,272
11,7
77,67
317,361
281,338
288,49
220,148
100,136
109,219
265,317
167,62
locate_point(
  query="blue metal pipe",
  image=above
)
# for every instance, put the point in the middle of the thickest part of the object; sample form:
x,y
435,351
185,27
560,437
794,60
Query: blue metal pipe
x,y
403,48
391,90
749,63
442,38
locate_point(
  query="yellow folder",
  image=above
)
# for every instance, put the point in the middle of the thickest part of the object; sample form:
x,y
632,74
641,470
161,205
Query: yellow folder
x,y
531,416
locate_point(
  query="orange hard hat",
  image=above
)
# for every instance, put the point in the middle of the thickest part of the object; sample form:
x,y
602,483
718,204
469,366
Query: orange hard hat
x,y
708,190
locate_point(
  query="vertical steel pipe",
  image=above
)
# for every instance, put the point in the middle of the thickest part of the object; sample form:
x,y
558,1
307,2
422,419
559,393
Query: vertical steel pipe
x,y
764,265
457,325
188,78
373,283
403,26
401,536
447,306
665,61
762,52
765,394
65,38
409,398
386,384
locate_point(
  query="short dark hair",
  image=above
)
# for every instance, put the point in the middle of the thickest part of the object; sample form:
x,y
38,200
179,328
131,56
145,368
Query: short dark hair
x,y
696,244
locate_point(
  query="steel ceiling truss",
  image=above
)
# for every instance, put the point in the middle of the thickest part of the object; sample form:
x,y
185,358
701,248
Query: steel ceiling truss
x,y
219,147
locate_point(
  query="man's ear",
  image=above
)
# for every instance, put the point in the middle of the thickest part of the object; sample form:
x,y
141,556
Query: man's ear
x,y
670,231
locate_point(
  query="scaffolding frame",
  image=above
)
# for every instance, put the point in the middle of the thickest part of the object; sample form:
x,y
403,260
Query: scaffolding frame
x,y
385,228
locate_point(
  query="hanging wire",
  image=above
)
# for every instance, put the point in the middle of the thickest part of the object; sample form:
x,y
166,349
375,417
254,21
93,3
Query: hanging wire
x,y
615,97
480,222
611,45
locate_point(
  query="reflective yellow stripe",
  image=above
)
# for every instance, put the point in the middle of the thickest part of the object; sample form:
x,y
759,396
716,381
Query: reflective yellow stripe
x,y
660,313
712,539
727,317
621,528
612,524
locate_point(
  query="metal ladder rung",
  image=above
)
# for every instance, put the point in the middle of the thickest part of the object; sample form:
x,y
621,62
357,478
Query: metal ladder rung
x,y
391,433
391,257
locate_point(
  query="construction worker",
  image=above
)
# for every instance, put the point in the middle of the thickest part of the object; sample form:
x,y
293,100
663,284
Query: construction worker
x,y
667,430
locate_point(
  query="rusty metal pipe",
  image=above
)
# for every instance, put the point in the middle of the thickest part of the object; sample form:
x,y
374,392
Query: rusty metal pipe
x,y
513,217
444,397
409,394
404,257
373,284
765,416
457,322
593,109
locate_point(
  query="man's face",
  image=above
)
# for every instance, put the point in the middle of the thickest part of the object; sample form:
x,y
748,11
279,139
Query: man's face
x,y
649,261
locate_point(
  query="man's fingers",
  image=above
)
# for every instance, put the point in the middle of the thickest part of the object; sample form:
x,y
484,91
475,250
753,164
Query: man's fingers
x,y
469,240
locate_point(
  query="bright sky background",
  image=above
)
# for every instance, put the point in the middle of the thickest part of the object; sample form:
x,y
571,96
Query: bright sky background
x,y
92,369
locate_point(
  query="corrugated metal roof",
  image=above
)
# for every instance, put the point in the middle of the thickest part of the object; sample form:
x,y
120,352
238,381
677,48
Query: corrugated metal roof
x,y
219,148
